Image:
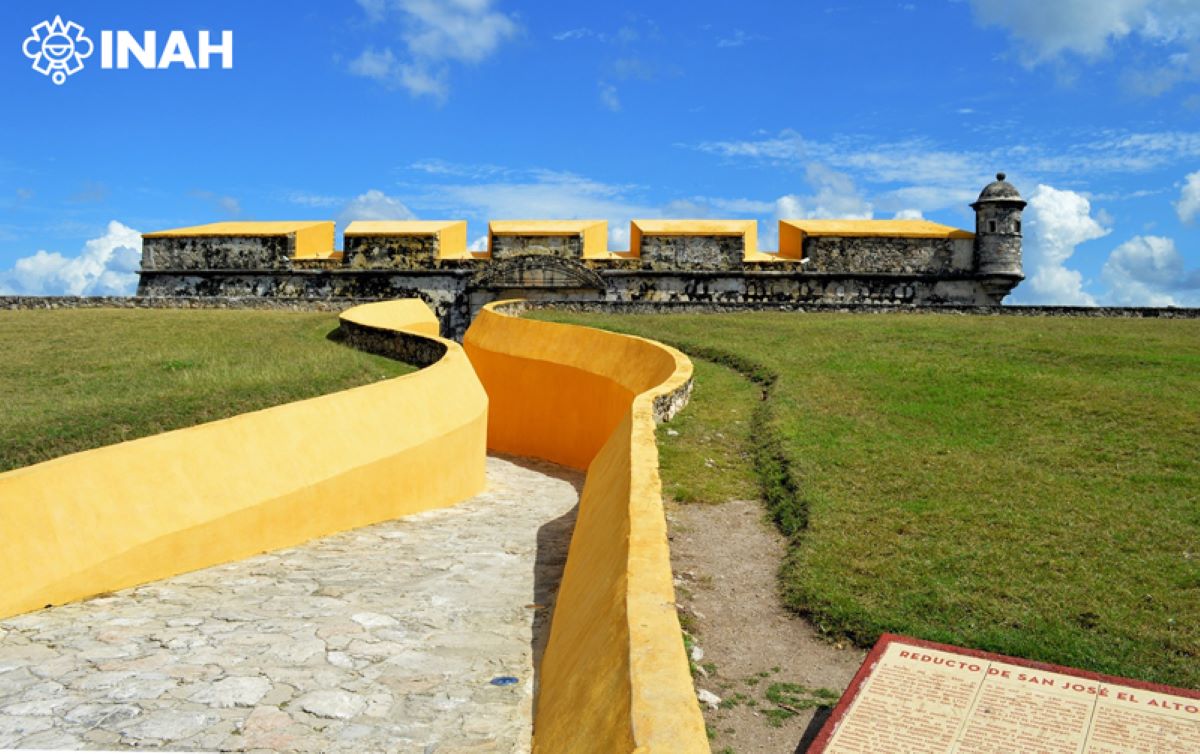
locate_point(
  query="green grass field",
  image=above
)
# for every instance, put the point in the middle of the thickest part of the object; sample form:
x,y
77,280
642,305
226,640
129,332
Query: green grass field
x,y
78,379
1029,486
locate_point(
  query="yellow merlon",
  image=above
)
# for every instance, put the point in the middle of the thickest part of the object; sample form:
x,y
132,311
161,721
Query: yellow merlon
x,y
314,238
793,232
452,234
875,228
748,229
247,228
542,227
594,232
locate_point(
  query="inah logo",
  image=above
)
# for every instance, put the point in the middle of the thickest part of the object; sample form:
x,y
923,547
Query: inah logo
x,y
57,49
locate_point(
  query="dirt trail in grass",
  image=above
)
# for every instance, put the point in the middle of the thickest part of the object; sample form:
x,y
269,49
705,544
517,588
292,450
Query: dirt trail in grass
x,y
725,559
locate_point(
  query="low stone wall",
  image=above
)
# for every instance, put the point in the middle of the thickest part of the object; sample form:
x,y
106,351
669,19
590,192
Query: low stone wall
x,y
685,253
176,302
394,329
218,252
565,246
692,307
443,289
410,252
904,256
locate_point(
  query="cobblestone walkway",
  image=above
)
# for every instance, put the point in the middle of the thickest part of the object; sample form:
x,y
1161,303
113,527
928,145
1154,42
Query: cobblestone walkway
x,y
380,639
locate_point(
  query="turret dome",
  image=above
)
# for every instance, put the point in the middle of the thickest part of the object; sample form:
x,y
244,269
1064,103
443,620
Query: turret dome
x,y
999,190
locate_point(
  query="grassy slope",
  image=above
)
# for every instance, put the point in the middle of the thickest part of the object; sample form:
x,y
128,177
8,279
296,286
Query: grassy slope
x,y
1028,486
78,379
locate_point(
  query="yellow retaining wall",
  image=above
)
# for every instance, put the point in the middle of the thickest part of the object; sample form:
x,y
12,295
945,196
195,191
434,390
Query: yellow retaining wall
x,y
126,514
614,677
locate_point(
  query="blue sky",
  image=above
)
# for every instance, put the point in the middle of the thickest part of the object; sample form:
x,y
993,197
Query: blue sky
x,y
478,109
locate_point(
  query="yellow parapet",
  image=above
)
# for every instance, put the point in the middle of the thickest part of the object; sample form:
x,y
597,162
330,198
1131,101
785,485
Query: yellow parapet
x,y
748,229
314,239
126,514
451,234
614,676
594,232
793,232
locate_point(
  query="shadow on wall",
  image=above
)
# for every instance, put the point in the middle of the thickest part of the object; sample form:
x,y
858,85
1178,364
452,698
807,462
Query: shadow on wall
x,y
553,542
125,514
614,676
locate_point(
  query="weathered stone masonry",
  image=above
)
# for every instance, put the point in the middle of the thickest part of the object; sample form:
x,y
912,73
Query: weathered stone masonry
x,y
819,262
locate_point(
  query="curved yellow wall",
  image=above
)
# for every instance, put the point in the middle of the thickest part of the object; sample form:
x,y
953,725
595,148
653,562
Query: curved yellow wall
x,y
122,515
614,677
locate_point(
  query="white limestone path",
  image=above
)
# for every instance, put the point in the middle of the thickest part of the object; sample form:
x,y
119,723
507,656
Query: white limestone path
x,y
380,639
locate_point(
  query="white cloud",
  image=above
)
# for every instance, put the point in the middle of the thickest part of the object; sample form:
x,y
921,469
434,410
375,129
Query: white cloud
x,y
547,194
434,166
374,205
580,33
1117,152
374,64
1057,222
107,266
1149,271
836,196
555,194
786,146
609,98
910,161
434,35
737,39
925,164
308,199
1047,31
376,10
534,194
1188,205
909,214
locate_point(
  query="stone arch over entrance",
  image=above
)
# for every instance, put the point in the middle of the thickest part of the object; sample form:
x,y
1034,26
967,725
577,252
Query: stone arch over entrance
x,y
536,271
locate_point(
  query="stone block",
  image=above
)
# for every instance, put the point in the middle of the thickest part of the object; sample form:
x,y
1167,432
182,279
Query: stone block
x,y
904,247
237,246
686,245
569,239
404,245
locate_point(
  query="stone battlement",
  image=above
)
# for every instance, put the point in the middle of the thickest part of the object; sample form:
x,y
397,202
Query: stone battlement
x,y
882,246
882,262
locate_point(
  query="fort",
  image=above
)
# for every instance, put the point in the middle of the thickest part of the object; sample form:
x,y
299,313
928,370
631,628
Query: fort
x,y
884,262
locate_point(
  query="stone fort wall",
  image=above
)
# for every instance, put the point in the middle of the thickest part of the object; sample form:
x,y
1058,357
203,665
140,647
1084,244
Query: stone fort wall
x,y
716,262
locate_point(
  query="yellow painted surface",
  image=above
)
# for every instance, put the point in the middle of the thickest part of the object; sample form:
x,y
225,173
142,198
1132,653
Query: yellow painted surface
x,y
793,232
313,238
614,677
594,232
766,256
410,314
126,514
746,228
452,234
